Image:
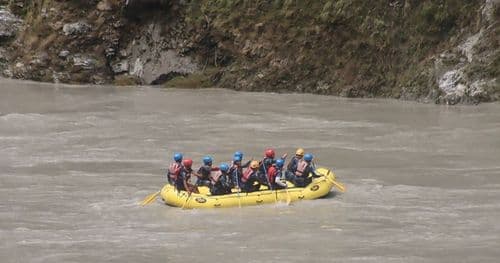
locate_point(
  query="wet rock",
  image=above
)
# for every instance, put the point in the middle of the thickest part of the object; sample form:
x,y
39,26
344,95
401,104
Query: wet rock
x,y
63,54
19,70
77,28
126,80
84,62
104,5
9,24
59,77
163,78
120,67
3,55
8,73
110,52
40,59
456,88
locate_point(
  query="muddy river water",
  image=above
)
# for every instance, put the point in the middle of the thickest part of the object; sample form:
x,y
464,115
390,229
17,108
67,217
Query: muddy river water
x,y
423,181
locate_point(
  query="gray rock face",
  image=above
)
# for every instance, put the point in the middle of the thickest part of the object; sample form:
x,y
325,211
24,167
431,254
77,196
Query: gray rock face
x,y
3,59
150,57
77,28
460,75
120,67
63,53
9,24
84,62
104,5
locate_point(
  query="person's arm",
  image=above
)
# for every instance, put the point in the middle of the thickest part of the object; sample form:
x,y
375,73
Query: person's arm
x,y
184,181
246,164
289,167
312,167
278,181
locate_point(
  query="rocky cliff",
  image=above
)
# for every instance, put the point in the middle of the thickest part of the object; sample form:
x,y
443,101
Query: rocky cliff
x,y
444,51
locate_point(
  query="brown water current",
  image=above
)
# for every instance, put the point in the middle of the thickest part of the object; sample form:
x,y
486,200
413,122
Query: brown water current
x,y
423,181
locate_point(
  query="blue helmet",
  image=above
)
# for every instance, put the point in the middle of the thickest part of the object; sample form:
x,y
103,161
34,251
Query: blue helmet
x,y
236,158
240,154
207,160
224,167
177,157
308,157
280,163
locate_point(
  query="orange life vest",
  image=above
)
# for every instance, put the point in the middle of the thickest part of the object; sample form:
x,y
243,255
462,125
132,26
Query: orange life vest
x,y
301,167
271,174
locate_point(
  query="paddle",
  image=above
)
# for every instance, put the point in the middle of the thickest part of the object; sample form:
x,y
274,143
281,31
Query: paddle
x,y
239,189
288,196
339,186
150,198
269,183
187,200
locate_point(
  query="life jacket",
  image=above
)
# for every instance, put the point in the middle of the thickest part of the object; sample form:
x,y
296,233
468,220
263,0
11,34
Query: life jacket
x,y
189,177
301,167
214,177
246,175
271,174
205,172
265,164
174,170
292,165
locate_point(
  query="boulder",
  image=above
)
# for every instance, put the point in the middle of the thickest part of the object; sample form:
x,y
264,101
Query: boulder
x,y
84,62
9,24
63,53
120,67
77,28
104,5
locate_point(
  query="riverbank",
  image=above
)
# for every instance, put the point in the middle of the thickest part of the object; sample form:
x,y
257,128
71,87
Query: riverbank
x,y
445,52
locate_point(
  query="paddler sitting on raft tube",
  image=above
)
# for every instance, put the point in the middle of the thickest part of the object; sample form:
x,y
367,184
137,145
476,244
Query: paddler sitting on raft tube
x,y
305,166
220,181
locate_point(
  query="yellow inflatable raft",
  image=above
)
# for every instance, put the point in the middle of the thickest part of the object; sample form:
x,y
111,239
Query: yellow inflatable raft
x,y
319,187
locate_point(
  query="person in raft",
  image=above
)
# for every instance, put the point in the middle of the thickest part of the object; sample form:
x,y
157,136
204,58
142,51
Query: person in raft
x,y
268,161
250,177
304,167
205,170
189,177
235,172
220,181
292,165
240,154
275,175
174,169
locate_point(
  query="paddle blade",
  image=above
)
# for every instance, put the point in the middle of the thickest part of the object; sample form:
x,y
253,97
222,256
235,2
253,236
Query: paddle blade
x,y
288,197
150,198
339,186
187,200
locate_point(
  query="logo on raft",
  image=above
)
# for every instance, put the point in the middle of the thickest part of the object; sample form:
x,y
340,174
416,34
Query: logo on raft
x,y
314,187
200,200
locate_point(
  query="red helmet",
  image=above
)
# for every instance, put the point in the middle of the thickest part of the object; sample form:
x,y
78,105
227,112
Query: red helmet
x,y
269,153
187,163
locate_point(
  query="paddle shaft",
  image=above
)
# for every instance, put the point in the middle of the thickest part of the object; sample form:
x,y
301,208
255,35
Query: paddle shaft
x,y
239,189
269,183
